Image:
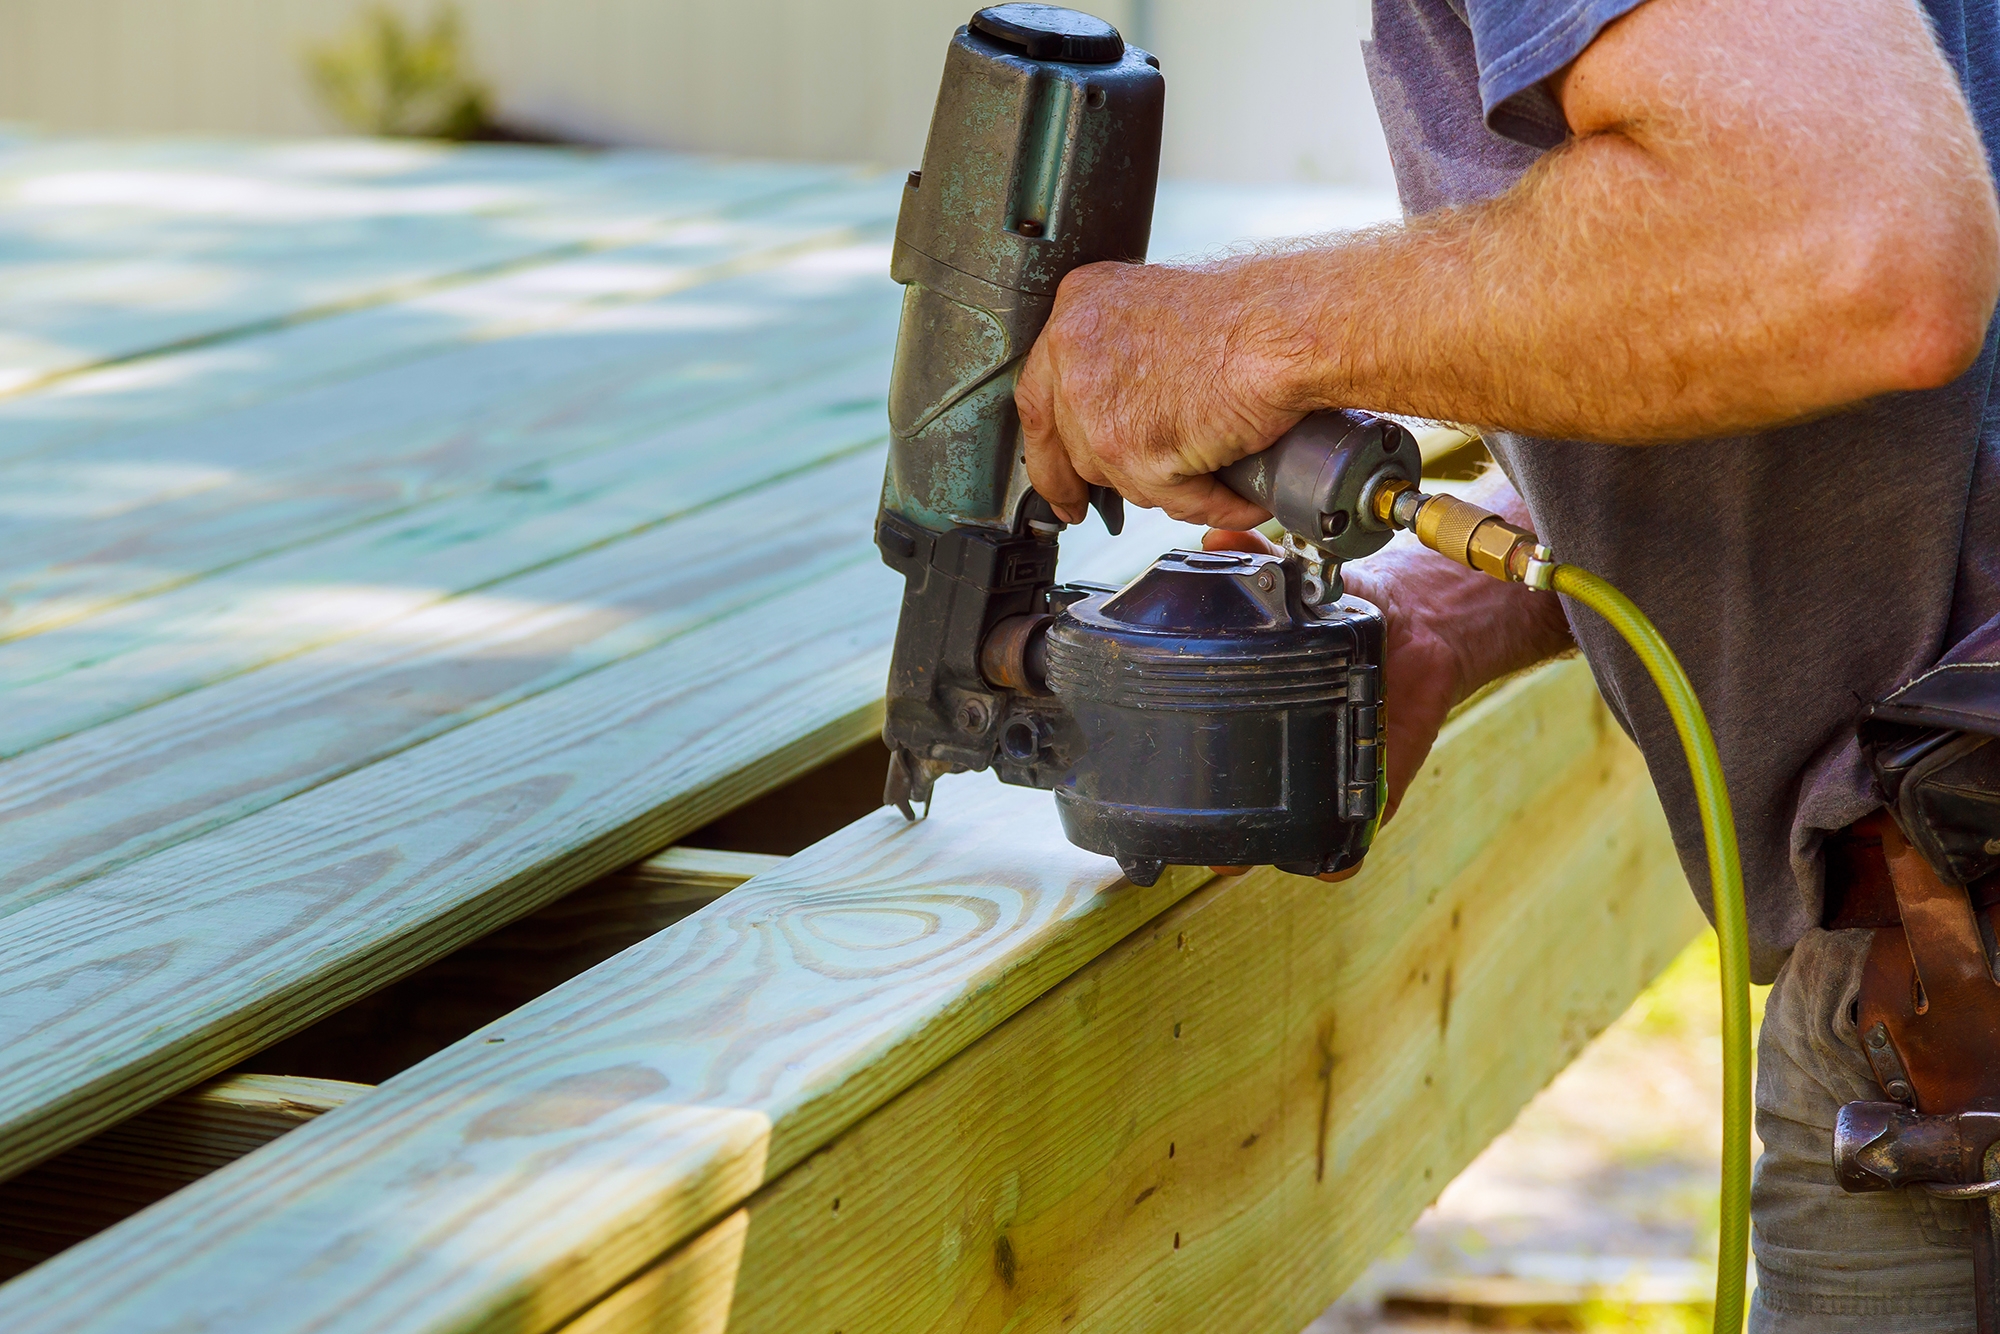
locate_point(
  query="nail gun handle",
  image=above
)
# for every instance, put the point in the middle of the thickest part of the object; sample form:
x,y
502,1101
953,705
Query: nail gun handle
x,y
1314,479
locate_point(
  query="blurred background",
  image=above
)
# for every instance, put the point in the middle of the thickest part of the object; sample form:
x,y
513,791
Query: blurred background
x,y
1262,90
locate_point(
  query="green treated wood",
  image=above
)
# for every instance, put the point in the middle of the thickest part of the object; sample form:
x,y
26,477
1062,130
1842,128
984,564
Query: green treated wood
x,y
339,644
508,1184
149,978
134,656
113,794
111,252
61,806
1216,1124
228,493
837,991
111,520
418,1016
113,1176
187,384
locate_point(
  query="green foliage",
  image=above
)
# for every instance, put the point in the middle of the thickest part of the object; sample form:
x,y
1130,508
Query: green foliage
x,y
388,78
1684,1001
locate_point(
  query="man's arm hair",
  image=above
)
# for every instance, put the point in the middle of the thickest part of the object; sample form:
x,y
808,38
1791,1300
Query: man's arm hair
x,y
1768,211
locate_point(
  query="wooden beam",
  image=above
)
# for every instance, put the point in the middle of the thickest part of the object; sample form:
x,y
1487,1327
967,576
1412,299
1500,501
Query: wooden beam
x,y
1220,1121
807,809
692,876
617,1118
111,1177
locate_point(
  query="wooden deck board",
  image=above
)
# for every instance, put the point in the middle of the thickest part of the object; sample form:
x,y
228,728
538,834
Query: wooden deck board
x,y
509,1184
624,1110
151,977
145,781
122,517
110,250
182,384
358,580
359,600
111,1177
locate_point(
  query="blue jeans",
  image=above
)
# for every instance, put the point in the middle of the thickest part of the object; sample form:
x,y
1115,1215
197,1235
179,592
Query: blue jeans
x,y
1897,1262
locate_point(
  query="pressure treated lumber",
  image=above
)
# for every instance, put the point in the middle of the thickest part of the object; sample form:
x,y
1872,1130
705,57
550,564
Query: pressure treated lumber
x,y
147,979
150,978
696,876
624,1112
131,786
220,378
109,251
1218,1123
145,511
388,1032
103,1180
337,395
190,637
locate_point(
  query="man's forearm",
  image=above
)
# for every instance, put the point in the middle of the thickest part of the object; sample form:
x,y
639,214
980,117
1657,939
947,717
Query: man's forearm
x,y
1647,281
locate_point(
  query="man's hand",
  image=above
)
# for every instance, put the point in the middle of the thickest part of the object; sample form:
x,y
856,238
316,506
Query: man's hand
x,y
1149,379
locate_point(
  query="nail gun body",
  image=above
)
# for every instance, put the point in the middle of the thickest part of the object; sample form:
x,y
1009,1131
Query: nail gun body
x,y
1043,155
1222,708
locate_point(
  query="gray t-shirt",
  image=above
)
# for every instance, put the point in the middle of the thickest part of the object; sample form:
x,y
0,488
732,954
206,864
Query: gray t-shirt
x,y
1799,573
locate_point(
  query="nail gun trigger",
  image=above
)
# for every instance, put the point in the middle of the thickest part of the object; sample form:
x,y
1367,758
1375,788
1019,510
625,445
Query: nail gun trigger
x,y
1110,507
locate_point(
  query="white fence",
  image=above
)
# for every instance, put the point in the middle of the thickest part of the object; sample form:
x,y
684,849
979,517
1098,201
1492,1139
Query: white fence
x,y
1258,90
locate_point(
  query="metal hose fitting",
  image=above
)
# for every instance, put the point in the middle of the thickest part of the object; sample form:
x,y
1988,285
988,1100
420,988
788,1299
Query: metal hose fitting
x,y
1476,538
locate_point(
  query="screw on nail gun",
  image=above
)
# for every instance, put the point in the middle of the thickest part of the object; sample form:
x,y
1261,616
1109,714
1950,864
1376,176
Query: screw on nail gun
x,y
1223,708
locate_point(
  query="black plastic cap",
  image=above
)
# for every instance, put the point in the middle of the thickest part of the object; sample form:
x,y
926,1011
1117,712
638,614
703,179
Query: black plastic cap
x,y
1050,32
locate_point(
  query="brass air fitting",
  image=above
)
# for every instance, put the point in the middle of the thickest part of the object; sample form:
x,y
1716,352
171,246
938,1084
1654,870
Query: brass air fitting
x,y
1477,538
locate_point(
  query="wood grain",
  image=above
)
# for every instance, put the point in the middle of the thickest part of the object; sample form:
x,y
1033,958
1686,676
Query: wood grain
x,y
103,522
109,252
107,1179
624,1112
1216,1124
383,1034
147,979
218,378
118,792
138,654
142,981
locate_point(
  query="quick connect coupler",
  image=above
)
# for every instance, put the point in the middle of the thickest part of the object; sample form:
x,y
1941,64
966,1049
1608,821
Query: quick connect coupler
x,y
1476,538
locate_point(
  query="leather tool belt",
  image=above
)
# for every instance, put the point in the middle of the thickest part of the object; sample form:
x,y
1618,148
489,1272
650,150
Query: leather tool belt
x,y
1925,875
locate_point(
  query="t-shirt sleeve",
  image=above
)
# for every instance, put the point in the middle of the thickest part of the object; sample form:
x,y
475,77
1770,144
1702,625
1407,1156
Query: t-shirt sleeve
x,y
1518,44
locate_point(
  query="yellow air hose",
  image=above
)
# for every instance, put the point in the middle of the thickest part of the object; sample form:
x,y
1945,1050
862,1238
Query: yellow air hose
x,y
1473,537
1725,875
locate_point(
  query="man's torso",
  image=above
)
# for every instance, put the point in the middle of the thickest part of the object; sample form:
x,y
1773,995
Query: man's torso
x,y
1798,573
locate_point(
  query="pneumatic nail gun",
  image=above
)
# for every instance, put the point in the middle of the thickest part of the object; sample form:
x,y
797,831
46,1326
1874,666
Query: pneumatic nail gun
x,y
1223,708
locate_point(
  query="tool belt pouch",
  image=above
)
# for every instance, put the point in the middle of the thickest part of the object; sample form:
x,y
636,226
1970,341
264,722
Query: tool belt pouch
x,y
1935,748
